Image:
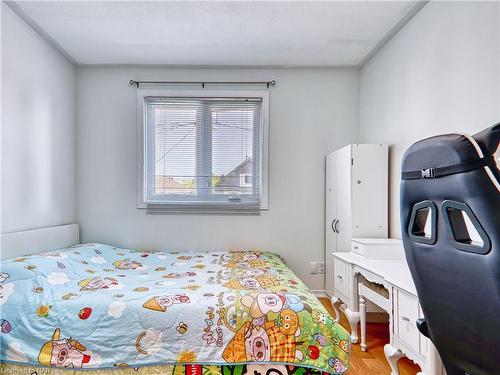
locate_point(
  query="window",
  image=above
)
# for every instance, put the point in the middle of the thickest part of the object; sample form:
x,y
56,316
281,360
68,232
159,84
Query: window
x,y
204,151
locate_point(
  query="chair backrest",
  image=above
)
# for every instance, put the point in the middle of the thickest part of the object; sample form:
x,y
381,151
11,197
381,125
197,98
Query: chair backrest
x,y
450,217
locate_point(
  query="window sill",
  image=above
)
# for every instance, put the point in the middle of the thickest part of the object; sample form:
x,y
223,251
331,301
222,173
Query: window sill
x,y
203,208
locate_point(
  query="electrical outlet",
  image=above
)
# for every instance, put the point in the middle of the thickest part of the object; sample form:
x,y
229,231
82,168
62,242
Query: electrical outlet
x,y
321,267
316,268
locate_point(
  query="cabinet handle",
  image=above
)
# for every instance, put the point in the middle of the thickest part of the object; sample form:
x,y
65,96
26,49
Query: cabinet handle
x,y
405,318
339,277
337,226
333,225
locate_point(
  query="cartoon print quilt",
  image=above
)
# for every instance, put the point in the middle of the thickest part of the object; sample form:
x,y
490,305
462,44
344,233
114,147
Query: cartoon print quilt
x,y
95,306
247,369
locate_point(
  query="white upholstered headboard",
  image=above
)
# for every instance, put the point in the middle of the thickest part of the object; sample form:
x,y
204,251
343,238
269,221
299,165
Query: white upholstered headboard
x,y
38,240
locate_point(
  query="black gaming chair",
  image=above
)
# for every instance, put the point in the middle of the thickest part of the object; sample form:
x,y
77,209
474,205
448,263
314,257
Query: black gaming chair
x,y
450,217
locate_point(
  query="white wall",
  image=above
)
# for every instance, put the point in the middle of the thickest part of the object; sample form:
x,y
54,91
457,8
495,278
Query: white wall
x,y
313,112
439,74
38,130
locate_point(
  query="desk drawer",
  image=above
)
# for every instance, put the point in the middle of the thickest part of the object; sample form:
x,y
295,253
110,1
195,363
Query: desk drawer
x,y
377,248
406,315
341,275
358,248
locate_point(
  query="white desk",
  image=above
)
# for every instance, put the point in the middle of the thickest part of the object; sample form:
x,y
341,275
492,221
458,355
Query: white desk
x,y
403,307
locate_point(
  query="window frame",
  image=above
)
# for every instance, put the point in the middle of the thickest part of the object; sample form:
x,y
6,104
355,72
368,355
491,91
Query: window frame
x,y
215,206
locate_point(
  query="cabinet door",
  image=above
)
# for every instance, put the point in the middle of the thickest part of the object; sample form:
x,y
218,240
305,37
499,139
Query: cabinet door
x,y
330,203
406,314
330,216
341,276
369,190
343,177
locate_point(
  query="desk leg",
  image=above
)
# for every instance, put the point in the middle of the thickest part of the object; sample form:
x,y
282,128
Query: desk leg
x,y
362,318
393,355
353,318
336,302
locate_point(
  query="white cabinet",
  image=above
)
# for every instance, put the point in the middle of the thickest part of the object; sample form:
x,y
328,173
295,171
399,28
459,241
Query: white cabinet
x,y
356,199
329,274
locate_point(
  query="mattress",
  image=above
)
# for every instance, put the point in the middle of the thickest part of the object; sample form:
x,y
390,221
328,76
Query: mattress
x,y
100,307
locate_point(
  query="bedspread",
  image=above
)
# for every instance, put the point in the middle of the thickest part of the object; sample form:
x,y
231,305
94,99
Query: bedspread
x,y
95,306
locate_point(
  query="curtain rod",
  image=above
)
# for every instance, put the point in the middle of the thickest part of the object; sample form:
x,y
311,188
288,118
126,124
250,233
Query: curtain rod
x,y
202,83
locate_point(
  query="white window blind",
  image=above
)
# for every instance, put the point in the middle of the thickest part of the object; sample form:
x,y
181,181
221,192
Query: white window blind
x,y
203,151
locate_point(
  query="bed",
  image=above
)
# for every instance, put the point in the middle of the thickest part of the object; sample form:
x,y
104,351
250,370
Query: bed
x,y
99,307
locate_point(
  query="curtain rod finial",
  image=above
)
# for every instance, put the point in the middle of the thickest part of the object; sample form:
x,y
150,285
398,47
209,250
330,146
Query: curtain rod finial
x,y
133,83
271,83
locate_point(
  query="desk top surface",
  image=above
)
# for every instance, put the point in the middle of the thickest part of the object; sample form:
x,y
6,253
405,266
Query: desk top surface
x,y
393,270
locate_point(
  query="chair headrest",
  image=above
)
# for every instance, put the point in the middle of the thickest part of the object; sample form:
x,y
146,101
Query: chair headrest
x,y
454,153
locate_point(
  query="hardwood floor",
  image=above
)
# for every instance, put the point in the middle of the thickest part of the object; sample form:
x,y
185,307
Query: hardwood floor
x,y
372,362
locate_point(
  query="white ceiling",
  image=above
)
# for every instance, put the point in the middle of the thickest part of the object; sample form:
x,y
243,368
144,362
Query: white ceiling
x,y
216,33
